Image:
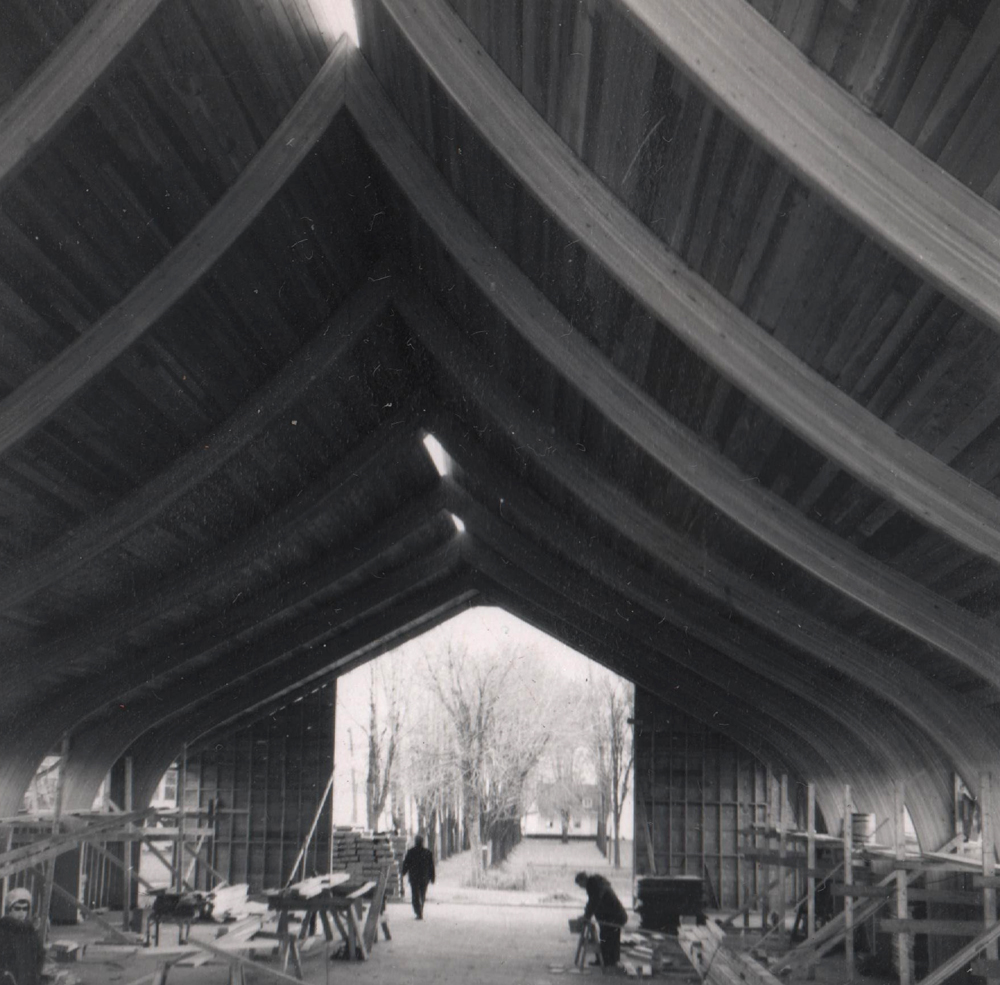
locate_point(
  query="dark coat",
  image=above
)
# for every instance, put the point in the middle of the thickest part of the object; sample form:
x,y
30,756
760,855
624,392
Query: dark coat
x,y
603,902
21,951
418,864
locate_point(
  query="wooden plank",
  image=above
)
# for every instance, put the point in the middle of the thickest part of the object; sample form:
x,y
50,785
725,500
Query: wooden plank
x,y
743,352
228,957
873,584
988,852
58,382
921,214
48,98
116,935
904,964
931,928
254,416
569,469
848,833
961,958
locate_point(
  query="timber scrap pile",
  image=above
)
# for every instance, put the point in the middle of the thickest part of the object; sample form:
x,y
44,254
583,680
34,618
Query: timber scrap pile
x,y
715,962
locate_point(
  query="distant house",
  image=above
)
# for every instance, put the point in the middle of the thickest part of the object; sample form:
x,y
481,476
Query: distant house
x,y
544,815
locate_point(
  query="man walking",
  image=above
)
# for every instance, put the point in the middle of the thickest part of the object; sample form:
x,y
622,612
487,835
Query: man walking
x,y
418,866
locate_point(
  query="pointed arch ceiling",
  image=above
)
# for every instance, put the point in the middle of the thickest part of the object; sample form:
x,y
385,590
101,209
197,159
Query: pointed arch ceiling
x,y
717,380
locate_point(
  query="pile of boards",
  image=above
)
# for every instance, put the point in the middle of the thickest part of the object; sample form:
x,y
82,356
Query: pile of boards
x,y
717,962
364,855
646,953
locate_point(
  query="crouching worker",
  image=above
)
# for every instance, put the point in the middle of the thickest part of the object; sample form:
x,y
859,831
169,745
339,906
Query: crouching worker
x,y
603,904
418,866
21,951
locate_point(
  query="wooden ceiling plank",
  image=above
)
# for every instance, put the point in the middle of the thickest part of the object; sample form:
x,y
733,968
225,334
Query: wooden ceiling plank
x,y
920,213
696,642
912,692
207,455
264,538
36,400
845,568
815,409
48,98
965,78
263,628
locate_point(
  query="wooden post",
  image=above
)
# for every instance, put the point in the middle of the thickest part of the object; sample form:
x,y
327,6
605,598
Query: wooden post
x,y
902,907
50,869
765,896
811,868
848,881
181,784
782,839
989,861
127,881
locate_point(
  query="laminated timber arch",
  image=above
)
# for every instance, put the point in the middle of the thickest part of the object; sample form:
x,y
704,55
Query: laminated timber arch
x,y
209,431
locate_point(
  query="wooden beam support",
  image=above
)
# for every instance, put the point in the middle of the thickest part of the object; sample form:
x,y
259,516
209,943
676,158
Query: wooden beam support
x,y
108,528
57,383
989,862
48,98
903,687
904,963
848,879
916,210
801,399
904,928
810,859
961,958
871,583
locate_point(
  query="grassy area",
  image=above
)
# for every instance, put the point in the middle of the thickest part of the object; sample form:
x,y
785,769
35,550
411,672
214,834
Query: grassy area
x,y
548,867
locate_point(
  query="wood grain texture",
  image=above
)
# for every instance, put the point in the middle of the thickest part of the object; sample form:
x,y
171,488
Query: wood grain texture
x,y
249,422
765,515
57,383
916,210
801,399
44,102
966,733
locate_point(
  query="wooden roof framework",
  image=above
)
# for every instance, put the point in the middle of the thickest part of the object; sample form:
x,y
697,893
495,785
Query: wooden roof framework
x,y
712,348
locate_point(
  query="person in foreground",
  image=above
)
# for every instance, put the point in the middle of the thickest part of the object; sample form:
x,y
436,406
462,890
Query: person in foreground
x,y
21,951
418,866
604,905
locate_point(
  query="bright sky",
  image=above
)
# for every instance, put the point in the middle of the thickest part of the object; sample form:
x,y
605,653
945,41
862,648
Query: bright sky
x,y
482,628
339,17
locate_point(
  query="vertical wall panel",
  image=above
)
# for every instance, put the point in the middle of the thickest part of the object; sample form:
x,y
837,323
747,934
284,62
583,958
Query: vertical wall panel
x,y
701,794
261,785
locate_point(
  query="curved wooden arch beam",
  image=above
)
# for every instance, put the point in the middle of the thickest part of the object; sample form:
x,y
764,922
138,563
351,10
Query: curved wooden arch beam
x,y
47,99
103,530
96,747
58,382
768,517
787,739
639,609
907,203
851,761
689,644
829,420
254,634
126,665
156,748
971,738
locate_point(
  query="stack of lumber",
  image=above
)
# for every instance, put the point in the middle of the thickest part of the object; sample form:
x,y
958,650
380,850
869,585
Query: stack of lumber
x,y
716,962
364,855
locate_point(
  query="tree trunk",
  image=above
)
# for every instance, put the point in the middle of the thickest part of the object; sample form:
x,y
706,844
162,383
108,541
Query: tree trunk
x,y
618,852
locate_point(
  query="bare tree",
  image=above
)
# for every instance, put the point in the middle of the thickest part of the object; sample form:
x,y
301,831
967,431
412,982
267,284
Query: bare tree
x,y
385,721
613,746
497,740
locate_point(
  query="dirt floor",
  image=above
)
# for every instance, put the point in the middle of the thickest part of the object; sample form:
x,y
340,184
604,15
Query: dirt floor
x,y
455,944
